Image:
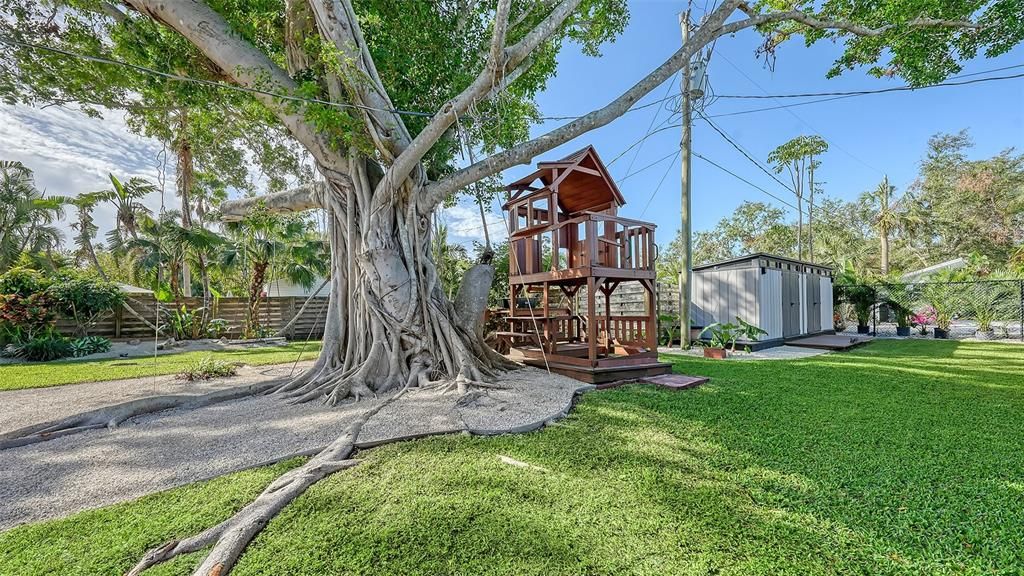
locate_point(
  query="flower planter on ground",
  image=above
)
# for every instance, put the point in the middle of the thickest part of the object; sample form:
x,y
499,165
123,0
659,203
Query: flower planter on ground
x,y
903,331
716,353
940,333
862,329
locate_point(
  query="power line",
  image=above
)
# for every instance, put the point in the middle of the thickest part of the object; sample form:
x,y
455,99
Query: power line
x,y
742,179
181,78
877,91
660,182
798,117
246,89
658,161
650,127
780,107
746,154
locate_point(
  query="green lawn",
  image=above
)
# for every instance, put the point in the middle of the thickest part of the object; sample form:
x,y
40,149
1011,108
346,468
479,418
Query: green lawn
x,y
897,458
41,375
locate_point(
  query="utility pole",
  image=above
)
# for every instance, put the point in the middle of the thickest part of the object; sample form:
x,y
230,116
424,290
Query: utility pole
x,y
685,227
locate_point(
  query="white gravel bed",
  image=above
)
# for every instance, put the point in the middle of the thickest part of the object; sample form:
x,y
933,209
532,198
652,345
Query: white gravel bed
x,y
60,477
774,353
20,408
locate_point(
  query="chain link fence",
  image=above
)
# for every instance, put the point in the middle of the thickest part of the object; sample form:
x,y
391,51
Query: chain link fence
x,y
983,309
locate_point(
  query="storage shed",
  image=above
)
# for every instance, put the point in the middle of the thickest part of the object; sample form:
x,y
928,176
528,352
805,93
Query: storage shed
x,y
788,298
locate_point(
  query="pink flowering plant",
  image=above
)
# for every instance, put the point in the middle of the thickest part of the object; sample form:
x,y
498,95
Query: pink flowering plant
x,y
923,318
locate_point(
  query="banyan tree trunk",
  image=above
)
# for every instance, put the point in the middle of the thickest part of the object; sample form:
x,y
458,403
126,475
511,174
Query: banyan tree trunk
x,y
388,321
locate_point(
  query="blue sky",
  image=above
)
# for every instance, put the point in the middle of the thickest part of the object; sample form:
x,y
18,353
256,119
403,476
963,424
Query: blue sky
x,y
869,136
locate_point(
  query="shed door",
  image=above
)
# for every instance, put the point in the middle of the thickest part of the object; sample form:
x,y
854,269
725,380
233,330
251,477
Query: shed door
x,y
813,303
790,304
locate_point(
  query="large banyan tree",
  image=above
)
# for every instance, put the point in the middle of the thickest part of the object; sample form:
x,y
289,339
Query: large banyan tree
x,y
383,95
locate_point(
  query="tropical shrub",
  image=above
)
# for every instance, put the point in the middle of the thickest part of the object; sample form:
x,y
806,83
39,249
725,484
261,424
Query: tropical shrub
x,y
721,335
89,345
668,329
855,289
42,348
749,331
84,299
208,367
216,328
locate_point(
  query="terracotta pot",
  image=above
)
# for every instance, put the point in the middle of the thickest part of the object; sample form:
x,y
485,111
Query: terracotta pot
x,y
716,353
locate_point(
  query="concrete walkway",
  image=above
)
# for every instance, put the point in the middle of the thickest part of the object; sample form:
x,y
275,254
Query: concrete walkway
x,y
152,453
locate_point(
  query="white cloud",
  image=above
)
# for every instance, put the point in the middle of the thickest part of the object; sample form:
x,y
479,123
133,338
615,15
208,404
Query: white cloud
x,y
71,153
465,227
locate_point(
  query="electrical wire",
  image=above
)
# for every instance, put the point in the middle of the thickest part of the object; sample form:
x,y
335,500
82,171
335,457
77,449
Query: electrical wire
x,y
660,182
746,154
878,91
742,179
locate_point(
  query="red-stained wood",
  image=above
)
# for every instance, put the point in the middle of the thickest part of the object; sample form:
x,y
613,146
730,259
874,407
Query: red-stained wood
x,y
571,204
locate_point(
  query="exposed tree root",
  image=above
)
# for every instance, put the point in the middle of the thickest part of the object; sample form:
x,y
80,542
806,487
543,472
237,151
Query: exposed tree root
x,y
230,538
111,416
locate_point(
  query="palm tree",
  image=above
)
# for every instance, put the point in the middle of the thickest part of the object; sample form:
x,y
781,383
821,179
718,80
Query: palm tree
x,y
126,198
86,228
888,215
26,215
265,245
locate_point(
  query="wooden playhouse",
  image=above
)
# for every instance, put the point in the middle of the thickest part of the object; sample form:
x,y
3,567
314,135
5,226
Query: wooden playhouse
x,y
568,253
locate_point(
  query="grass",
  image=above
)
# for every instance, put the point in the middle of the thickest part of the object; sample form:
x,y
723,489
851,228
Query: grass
x,y
897,458
41,375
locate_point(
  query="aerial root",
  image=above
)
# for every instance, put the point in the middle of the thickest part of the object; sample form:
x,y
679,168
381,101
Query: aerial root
x,y
230,538
112,416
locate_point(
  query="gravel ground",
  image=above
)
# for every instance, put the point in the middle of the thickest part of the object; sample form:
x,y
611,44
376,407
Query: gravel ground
x,y
774,353
97,468
143,348
26,407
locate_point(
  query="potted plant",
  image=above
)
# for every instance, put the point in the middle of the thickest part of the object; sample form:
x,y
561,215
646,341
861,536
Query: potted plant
x,y
898,299
922,319
983,305
748,331
855,289
942,294
721,338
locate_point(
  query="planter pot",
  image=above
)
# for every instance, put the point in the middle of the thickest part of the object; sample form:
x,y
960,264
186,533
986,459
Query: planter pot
x,y
985,334
716,353
941,334
903,331
862,329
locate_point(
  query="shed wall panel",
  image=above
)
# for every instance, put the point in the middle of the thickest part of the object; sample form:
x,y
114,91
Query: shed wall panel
x,y
826,303
770,296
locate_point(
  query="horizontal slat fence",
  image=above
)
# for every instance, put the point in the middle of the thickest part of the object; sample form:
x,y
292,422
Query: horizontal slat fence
x,y
275,312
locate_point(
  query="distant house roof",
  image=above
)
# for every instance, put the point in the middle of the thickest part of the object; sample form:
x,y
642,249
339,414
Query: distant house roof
x,y
755,256
954,264
129,289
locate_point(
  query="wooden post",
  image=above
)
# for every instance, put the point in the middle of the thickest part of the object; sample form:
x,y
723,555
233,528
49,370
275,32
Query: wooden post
x,y
607,314
118,314
652,318
291,314
591,321
547,343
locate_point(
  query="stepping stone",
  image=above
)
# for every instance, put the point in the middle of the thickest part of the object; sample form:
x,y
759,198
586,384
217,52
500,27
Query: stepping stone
x,y
676,381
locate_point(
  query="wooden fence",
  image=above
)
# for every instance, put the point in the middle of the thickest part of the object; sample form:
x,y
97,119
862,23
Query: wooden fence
x,y
275,312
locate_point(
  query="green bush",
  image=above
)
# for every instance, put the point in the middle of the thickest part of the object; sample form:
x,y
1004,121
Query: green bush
x,y
23,282
89,345
84,299
208,367
41,349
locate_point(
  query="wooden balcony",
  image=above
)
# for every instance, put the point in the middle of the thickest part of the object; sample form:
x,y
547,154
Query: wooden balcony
x,y
590,244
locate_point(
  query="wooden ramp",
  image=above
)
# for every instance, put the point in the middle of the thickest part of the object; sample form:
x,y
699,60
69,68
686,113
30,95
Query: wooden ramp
x,y
830,341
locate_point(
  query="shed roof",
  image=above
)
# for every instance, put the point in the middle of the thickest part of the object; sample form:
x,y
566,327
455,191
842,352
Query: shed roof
x,y
582,179
755,256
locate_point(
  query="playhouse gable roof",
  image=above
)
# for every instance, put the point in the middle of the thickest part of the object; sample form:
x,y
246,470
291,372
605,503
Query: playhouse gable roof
x,y
581,179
